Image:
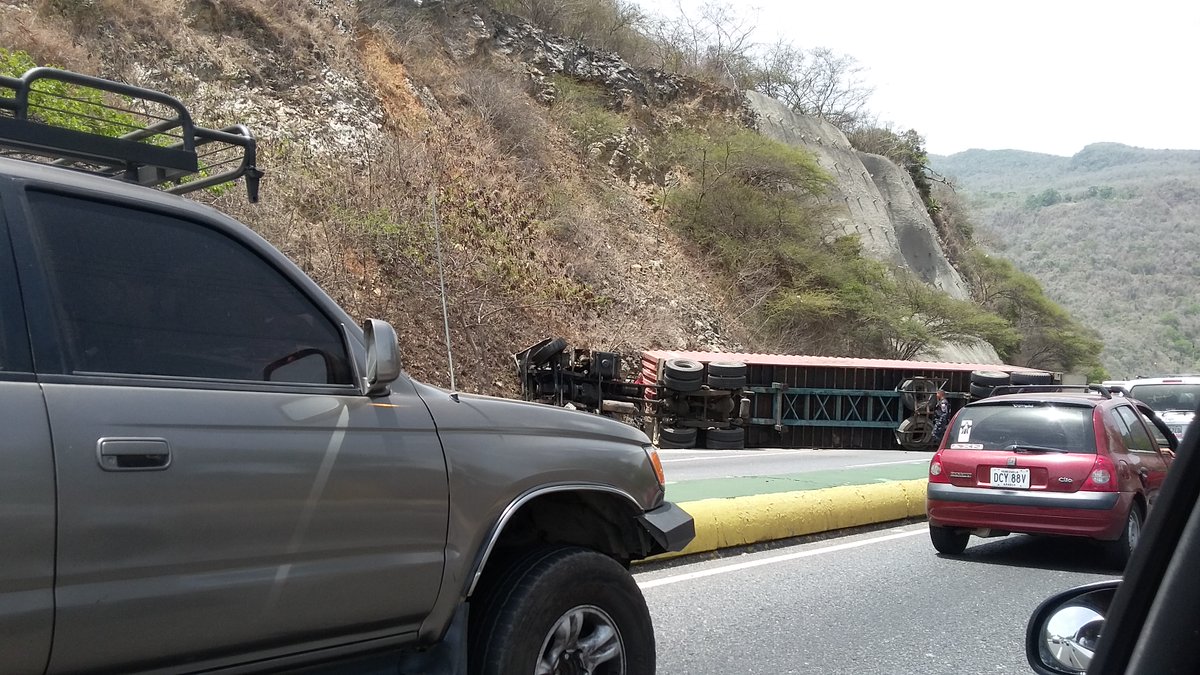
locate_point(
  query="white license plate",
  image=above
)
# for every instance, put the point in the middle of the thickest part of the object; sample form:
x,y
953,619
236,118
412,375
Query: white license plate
x,y
1010,478
1177,429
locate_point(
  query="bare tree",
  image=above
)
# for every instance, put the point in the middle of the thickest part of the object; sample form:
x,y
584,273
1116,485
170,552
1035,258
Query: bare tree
x,y
816,82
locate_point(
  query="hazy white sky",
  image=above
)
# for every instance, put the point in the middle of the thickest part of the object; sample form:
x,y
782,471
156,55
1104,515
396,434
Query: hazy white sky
x,y
1046,76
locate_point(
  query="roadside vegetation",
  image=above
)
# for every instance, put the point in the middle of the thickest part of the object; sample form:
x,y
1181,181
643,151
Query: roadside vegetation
x,y
613,224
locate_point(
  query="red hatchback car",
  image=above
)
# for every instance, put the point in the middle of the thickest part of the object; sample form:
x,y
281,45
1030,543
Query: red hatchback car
x,y
1076,463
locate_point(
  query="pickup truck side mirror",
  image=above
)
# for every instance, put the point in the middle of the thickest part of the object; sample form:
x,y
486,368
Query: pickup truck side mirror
x,y
1062,633
383,357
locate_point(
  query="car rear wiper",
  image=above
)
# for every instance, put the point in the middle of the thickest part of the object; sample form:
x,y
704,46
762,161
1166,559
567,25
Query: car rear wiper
x,y
1019,447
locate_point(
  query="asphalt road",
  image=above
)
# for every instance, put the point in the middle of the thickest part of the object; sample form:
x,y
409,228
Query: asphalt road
x,y
873,602
701,474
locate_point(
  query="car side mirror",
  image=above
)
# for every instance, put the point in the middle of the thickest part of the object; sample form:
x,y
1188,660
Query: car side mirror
x,y
1062,634
383,357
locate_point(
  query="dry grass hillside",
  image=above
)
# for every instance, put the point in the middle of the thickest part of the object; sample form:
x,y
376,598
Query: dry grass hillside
x,y
381,125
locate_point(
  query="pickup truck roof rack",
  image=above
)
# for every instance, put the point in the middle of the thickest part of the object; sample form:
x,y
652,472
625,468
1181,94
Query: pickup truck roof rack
x,y
120,131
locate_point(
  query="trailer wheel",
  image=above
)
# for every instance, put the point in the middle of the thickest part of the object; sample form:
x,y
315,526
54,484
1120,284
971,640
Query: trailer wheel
x,y
683,369
671,382
676,437
727,369
915,433
980,391
726,381
1025,377
990,378
725,439
917,393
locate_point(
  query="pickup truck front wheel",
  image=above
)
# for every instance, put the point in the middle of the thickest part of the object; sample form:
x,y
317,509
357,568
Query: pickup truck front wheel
x,y
563,611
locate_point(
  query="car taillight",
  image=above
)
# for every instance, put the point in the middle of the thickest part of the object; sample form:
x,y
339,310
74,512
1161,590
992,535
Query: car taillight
x,y
936,475
1103,477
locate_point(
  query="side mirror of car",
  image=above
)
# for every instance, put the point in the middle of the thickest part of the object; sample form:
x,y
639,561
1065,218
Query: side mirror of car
x,y
1061,636
383,357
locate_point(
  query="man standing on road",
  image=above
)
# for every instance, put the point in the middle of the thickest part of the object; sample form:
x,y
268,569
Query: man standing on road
x,y
941,416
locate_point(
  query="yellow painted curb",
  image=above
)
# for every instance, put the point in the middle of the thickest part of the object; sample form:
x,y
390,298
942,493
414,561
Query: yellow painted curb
x,y
738,521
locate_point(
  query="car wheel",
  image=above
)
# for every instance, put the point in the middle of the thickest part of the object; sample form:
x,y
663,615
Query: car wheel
x,y
563,610
1121,550
947,540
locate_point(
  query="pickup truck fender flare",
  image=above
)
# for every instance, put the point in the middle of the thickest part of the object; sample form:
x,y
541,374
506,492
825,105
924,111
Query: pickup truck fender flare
x,y
516,504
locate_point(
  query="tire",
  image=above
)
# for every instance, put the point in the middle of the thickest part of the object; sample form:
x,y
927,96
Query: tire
x,y
948,541
917,394
1121,550
683,370
543,353
915,433
726,381
1019,377
727,369
513,627
671,382
678,438
980,391
725,439
990,378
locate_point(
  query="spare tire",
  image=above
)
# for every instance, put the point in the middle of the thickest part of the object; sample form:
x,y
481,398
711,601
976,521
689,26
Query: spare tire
x,y
683,369
725,439
989,378
546,350
726,369
1030,377
915,432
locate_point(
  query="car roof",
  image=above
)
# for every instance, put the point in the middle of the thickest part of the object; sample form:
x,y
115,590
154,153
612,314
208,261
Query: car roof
x,y
1165,379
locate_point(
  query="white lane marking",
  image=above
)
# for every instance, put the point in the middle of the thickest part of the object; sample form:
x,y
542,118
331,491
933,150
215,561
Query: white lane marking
x,y
905,461
707,457
737,567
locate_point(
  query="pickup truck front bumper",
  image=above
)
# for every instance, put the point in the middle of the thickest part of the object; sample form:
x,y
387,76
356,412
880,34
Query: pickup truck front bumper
x,y
671,527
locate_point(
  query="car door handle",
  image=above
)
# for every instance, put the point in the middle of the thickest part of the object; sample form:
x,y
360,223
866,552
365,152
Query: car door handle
x,y
133,454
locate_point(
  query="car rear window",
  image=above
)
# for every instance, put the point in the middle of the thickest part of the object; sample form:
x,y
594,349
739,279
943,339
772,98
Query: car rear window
x,y
1001,426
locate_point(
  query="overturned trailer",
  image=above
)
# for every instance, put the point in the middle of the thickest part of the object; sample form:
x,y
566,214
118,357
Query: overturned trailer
x,y
724,400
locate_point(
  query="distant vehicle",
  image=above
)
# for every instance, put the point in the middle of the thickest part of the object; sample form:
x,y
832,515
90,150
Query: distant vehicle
x,y
1173,397
1065,461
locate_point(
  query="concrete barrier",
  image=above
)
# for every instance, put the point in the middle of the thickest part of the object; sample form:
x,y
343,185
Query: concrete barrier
x,y
739,521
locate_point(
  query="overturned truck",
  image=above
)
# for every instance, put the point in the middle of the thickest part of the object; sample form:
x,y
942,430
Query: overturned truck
x,y
728,401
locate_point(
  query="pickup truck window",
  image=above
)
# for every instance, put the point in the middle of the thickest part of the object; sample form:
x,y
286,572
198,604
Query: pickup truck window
x,y
143,293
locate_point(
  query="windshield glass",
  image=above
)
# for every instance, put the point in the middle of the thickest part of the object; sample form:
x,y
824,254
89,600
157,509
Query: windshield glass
x,y
1030,424
1163,397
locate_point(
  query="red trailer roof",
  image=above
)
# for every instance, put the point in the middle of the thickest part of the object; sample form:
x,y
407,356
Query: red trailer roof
x,y
830,361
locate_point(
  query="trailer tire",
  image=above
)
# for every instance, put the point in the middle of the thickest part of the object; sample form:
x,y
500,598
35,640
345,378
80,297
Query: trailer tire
x,y
670,382
990,378
543,353
683,369
678,438
915,433
980,391
726,369
1019,377
917,393
725,439
726,382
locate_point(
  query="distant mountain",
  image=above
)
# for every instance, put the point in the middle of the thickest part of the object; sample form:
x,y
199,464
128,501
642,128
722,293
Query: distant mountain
x,y
1111,233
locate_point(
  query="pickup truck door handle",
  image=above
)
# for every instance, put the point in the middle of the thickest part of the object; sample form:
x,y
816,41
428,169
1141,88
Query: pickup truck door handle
x,y
133,454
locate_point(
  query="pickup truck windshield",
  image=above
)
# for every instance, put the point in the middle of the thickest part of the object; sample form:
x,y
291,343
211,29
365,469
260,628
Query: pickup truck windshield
x,y
1161,397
